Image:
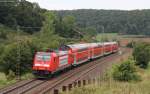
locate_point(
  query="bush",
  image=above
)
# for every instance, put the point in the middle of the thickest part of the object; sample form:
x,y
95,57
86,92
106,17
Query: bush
x,y
141,54
18,57
11,75
131,44
1,52
125,71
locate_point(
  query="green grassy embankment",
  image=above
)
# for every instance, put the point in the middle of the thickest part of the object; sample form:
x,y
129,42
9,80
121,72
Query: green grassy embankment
x,y
108,86
5,82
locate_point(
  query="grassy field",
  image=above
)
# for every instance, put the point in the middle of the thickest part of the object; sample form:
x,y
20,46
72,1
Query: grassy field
x,y
106,36
123,39
116,36
109,86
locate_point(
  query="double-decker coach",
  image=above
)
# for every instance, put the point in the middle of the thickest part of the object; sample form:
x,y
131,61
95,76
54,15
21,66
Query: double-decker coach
x,y
110,47
115,46
96,50
80,53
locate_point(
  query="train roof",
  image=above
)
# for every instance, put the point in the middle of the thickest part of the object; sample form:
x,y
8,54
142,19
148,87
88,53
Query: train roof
x,y
95,44
79,46
83,45
106,43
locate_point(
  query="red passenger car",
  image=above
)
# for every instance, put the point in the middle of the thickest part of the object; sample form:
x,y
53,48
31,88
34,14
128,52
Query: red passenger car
x,y
80,53
96,50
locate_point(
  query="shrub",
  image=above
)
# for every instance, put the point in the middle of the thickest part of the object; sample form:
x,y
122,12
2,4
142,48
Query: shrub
x,y
141,54
125,71
11,75
131,44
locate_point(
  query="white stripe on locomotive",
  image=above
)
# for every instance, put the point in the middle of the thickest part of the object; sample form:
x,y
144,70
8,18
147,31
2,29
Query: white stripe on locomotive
x,y
63,60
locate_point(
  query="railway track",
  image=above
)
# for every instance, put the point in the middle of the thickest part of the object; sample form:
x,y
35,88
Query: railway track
x,y
21,87
69,77
45,86
75,75
79,75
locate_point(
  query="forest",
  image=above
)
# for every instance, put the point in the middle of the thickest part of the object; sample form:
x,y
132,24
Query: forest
x,y
118,21
29,17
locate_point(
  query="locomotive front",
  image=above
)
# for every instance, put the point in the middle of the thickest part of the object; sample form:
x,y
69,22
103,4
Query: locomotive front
x,y
42,64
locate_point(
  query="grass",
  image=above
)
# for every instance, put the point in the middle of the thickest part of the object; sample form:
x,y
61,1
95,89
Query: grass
x,y
27,76
110,86
116,36
113,88
106,36
4,82
123,39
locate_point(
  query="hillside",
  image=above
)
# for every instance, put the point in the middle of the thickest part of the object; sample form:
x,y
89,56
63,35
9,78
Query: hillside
x,y
114,21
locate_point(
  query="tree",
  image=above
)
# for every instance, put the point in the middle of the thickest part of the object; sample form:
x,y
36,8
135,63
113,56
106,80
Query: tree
x,y
23,13
141,54
18,56
3,34
114,21
65,27
89,34
90,31
29,16
1,51
46,37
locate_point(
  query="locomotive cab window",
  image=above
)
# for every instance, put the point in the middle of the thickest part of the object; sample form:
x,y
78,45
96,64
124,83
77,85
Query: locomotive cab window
x,y
43,56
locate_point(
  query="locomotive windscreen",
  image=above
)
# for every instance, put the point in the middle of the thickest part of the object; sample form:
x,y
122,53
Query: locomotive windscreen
x,y
44,56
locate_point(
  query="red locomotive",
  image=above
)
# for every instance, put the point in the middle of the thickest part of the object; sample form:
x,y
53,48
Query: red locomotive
x,y
47,63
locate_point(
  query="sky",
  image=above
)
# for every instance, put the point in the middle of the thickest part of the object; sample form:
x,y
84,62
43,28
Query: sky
x,y
93,4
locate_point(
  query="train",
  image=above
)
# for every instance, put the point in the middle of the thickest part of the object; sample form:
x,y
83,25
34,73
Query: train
x,y
49,62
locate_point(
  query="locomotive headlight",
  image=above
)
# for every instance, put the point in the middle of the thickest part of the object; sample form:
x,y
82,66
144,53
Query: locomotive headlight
x,y
46,65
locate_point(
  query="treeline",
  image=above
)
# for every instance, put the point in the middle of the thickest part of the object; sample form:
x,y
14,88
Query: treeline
x,y
29,17
123,22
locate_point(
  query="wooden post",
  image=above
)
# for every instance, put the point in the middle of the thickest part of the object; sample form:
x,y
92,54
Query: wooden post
x,y
93,80
56,91
75,84
64,88
69,87
79,83
89,81
84,82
